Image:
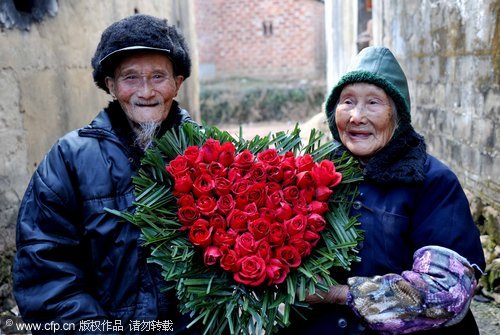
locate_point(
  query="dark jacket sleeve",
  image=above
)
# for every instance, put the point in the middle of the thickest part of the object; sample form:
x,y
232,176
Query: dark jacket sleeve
x,y
49,272
442,217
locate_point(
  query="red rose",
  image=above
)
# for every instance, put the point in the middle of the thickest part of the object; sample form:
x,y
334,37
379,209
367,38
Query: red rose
x,y
226,156
269,157
252,271
229,260
267,213
318,207
237,220
312,237
303,247
323,193
277,234
241,187
300,207
187,215
296,225
291,193
224,238
178,166
211,255
274,200
256,194
222,185
199,234
192,154
305,179
283,212
216,169
245,244
276,271
203,184
183,184
259,228
217,221
272,187
241,201
257,173
316,222
308,194
186,200
289,157
289,172
235,174
200,167
304,163
274,173
206,205
244,160
210,150
289,256
263,250
225,204
325,174
251,211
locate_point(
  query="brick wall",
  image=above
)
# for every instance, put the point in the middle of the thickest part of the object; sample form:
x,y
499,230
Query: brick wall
x,y
261,39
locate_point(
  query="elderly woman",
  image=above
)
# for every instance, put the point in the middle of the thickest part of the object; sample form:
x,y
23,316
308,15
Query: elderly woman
x,y
421,255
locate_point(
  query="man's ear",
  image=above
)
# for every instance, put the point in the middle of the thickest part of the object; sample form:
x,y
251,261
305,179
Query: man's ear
x,y
110,84
178,83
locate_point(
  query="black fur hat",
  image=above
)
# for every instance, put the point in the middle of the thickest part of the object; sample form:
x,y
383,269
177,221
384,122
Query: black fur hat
x,y
139,32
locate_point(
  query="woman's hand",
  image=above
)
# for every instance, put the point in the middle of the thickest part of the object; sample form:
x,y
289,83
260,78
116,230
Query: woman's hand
x,y
337,294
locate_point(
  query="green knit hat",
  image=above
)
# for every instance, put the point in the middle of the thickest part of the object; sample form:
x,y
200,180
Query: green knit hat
x,y
377,66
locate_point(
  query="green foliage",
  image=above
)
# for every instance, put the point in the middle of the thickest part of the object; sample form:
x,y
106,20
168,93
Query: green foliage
x,y
239,103
210,295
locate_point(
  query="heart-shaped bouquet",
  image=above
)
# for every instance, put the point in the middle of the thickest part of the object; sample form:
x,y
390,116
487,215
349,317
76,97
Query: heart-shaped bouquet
x,y
243,229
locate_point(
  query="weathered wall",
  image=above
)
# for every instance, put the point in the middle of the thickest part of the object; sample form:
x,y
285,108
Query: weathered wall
x,y
450,52
270,39
453,67
46,87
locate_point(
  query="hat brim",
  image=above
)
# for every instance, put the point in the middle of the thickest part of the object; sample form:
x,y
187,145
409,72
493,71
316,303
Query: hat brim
x,y
129,49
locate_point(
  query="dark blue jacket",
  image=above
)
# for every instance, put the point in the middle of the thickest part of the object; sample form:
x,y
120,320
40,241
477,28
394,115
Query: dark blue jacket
x,y
74,260
408,200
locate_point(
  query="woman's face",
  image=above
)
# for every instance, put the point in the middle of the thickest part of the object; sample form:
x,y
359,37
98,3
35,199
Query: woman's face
x,y
365,119
145,85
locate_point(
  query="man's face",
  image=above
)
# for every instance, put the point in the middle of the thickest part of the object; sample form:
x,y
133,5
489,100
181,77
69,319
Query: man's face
x,y
145,86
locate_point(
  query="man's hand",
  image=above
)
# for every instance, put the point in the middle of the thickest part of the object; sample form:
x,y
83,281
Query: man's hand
x,y
336,295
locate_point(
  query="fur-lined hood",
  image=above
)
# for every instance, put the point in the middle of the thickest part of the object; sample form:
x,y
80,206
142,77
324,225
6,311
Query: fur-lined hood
x,y
402,160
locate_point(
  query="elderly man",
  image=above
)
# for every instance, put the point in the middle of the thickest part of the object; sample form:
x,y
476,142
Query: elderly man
x,y
75,262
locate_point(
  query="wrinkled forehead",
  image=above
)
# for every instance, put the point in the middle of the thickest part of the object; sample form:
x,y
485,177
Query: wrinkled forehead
x,y
143,61
364,88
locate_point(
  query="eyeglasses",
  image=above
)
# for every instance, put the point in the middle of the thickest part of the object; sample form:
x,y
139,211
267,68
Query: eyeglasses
x,y
135,80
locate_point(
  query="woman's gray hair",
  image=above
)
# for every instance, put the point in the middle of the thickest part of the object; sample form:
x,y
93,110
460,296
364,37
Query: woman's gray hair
x,y
395,114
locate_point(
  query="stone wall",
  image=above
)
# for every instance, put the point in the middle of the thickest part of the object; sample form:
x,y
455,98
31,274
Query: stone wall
x,y
452,62
46,86
272,39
